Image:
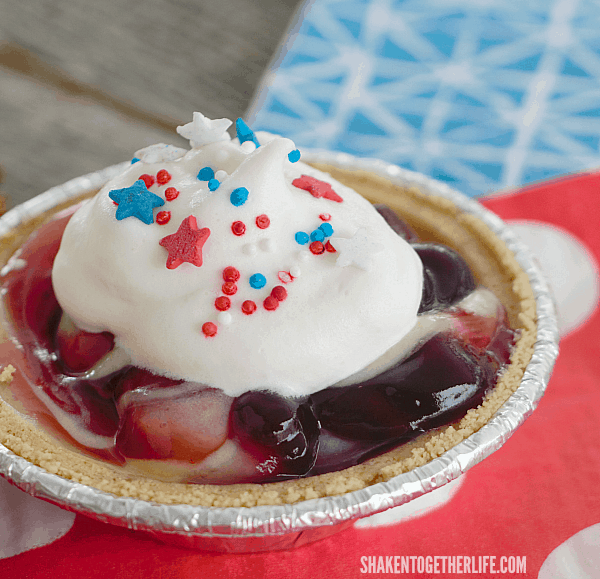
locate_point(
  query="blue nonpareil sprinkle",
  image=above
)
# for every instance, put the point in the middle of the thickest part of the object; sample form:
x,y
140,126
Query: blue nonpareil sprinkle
x,y
244,132
301,238
239,196
326,229
294,156
258,280
134,160
213,184
206,174
317,235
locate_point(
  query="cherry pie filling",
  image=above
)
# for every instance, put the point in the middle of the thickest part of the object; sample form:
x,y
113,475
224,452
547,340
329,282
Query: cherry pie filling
x,y
134,415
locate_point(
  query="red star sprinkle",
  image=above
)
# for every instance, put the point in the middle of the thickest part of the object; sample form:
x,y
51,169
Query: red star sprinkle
x,y
316,188
186,244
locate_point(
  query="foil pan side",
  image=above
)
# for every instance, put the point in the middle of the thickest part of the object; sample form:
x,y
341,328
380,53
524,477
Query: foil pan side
x,y
285,526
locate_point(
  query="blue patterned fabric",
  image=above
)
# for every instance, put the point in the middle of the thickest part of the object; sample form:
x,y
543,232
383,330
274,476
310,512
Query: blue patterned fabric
x,y
483,94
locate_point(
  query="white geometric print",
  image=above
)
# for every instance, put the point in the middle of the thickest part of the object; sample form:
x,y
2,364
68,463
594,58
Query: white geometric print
x,y
484,94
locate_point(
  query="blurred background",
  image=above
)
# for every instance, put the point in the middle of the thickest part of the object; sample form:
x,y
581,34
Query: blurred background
x,y
84,84
483,94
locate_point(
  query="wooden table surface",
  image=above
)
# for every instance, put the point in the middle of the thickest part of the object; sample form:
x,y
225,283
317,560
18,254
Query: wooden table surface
x,y
84,84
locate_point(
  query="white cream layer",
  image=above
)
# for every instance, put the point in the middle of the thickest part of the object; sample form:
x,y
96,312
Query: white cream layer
x,y
338,317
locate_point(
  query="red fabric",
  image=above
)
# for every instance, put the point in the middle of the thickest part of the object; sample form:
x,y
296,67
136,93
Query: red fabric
x,y
536,492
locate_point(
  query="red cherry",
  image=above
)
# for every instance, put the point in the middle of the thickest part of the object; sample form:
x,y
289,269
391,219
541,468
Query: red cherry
x,y
79,350
171,193
163,177
248,307
186,428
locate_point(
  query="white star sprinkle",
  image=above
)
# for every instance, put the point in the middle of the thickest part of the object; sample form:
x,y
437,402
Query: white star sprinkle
x,y
159,153
358,250
202,130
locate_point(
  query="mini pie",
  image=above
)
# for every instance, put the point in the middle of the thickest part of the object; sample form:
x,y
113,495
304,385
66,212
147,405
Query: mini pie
x,y
254,445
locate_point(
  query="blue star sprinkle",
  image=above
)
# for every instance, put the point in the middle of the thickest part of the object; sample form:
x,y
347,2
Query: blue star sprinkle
x,y
244,132
294,156
135,160
213,184
136,201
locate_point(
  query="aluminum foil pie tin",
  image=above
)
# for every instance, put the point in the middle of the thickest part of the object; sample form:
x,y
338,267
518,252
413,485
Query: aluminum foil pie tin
x,y
263,528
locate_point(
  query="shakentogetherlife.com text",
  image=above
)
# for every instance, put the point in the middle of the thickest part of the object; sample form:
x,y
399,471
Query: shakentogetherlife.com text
x,y
440,564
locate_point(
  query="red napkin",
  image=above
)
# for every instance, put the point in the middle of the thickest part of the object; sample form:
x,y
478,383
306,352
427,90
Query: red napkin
x,y
531,509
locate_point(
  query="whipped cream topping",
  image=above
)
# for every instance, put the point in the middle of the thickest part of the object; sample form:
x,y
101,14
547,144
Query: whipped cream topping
x,y
334,313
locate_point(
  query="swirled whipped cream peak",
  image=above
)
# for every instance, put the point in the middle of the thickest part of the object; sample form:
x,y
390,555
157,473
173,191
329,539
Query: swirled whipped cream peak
x,y
236,266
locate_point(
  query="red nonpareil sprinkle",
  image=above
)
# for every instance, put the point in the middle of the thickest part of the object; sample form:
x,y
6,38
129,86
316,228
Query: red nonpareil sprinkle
x,y
171,193
316,247
248,307
262,221
316,188
209,329
230,273
238,228
222,303
229,288
163,217
324,217
186,243
163,177
329,247
285,277
271,303
279,293
148,179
